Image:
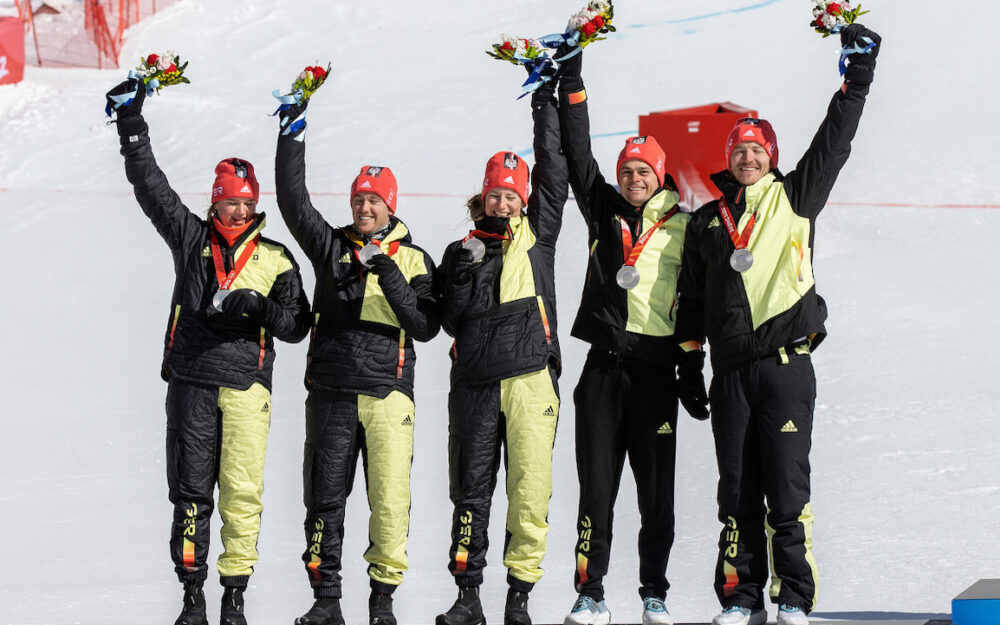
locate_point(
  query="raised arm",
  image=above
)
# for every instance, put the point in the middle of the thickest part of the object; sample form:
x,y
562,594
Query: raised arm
x,y
158,201
584,175
305,223
550,175
809,186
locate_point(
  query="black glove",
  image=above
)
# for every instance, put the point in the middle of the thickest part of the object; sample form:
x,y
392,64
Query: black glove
x,y
460,266
245,301
129,116
293,116
691,384
573,66
382,265
548,88
860,67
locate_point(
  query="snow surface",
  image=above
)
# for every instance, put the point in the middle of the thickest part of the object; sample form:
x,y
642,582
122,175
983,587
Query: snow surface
x,y
905,469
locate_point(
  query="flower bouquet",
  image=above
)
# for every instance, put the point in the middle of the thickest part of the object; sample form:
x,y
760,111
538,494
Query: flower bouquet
x,y
306,84
591,22
830,17
160,70
516,50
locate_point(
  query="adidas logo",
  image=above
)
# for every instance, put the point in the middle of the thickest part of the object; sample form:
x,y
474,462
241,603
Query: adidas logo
x,y
665,429
246,189
789,427
714,223
407,421
366,185
509,180
549,412
346,258
266,407
748,133
635,151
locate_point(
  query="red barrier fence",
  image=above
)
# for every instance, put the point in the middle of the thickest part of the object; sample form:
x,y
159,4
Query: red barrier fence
x,y
81,34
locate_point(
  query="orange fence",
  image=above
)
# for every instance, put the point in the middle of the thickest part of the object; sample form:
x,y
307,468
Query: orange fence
x,y
81,35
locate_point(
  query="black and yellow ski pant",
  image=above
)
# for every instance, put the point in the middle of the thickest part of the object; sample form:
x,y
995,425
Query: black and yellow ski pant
x,y
216,434
762,416
520,415
625,406
338,427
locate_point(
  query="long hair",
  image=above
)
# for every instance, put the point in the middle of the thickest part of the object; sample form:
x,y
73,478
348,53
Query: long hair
x,y
476,206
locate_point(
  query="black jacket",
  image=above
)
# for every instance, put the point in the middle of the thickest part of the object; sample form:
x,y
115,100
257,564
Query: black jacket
x,y
500,330
773,305
603,317
203,345
364,326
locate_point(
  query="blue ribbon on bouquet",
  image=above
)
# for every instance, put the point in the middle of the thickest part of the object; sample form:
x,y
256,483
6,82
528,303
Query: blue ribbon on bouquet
x,y
285,102
539,65
124,99
853,49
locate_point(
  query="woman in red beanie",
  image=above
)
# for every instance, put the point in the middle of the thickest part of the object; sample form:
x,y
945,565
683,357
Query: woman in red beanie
x,y
235,292
498,301
374,297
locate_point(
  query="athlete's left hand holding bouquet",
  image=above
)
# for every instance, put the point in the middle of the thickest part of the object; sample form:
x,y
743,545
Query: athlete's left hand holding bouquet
x,y
153,73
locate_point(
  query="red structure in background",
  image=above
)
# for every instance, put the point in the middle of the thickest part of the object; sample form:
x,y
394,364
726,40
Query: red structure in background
x,y
87,35
694,140
11,50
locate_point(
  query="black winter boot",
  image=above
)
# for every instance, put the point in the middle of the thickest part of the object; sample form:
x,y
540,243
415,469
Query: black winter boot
x,y
465,611
380,609
232,607
516,610
193,612
326,611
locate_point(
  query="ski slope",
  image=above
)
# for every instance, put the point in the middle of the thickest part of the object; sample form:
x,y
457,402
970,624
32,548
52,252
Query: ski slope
x,y
906,476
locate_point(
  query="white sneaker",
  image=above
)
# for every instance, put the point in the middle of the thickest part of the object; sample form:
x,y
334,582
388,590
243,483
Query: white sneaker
x,y
791,615
586,611
735,615
654,612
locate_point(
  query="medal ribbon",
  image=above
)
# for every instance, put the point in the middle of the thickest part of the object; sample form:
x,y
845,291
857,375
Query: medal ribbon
x,y
220,269
632,251
739,240
479,234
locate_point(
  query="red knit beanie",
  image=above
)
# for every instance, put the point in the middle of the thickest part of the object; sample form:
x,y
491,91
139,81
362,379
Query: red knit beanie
x,y
234,177
645,149
378,180
756,130
506,170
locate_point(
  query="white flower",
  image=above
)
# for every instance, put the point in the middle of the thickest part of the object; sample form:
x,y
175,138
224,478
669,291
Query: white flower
x,y
817,11
829,21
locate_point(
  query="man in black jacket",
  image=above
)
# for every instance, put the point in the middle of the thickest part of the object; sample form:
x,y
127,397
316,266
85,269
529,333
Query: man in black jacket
x,y
626,399
369,310
747,284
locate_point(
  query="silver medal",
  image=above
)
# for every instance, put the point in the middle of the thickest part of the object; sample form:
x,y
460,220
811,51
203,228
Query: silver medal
x,y
741,260
220,295
627,277
476,246
368,252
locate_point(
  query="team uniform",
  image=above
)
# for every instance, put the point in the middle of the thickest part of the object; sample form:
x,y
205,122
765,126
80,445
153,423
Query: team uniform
x,y
626,399
762,325
359,375
218,367
505,364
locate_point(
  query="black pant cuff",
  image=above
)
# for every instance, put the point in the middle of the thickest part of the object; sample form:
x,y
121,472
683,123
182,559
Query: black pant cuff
x,y
234,581
519,584
327,591
382,587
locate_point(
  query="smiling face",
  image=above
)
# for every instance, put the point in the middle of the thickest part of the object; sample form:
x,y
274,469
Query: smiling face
x,y
369,211
500,202
637,181
749,162
234,212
